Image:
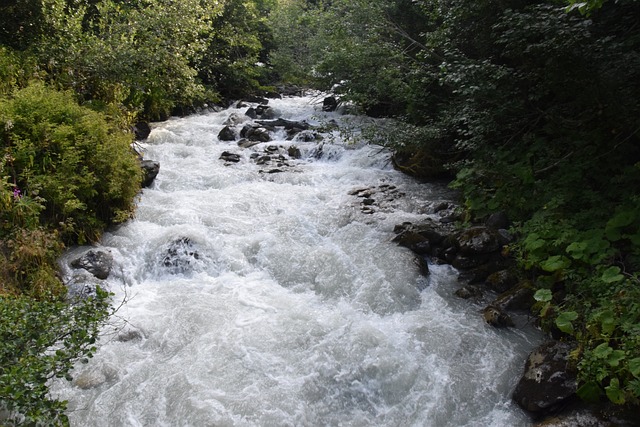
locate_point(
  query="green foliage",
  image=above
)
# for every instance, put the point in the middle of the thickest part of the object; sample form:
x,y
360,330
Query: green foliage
x,y
41,340
233,61
67,165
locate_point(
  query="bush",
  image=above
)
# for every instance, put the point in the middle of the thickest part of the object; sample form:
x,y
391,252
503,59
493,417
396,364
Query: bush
x,y
65,163
41,340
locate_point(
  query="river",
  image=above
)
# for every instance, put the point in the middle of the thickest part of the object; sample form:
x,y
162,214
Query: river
x,y
256,297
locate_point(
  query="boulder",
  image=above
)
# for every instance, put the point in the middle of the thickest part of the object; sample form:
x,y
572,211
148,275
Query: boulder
x,y
549,378
258,134
294,152
227,134
251,113
478,240
179,255
230,157
150,169
266,112
141,130
496,317
519,298
468,291
96,262
501,281
330,103
498,220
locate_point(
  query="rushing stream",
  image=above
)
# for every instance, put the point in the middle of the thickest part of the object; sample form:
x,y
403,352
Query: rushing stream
x,y
264,298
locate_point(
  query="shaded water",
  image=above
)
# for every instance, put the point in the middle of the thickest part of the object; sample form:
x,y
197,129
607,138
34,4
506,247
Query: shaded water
x,y
272,299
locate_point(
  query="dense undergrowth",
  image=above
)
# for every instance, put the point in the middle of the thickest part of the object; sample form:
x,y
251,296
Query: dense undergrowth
x,y
533,109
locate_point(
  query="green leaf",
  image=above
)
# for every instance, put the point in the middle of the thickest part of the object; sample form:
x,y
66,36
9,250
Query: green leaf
x,y
612,275
615,357
614,393
563,322
577,249
608,322
602,351
634,367
554,263
543,295
589,392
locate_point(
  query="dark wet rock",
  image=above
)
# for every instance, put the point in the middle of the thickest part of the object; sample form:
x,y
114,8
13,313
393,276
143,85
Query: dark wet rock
x,y
368,201
468,291
549,378
98,263
413,235
265,112
478,240
468,262
442,206
497,317
423,266
259,134
150,169
179,256
263,160
245,143
287,124
141,130
498,220
294,152
330,103
251,113
501,281
518,298
227,134
230,157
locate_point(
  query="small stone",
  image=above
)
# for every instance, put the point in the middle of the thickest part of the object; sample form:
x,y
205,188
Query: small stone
x,y
496,317
230,157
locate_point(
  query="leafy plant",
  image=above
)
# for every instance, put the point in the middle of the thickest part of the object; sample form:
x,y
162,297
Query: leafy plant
x,y
42,340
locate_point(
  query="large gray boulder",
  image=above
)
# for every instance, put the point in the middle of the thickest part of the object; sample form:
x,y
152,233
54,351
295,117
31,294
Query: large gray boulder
x,y
227,134
96,262
549,378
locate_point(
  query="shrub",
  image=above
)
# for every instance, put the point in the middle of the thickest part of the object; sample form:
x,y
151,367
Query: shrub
x,y
69,160
41,340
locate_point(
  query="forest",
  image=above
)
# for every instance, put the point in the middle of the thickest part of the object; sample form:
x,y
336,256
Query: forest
x,y
530,108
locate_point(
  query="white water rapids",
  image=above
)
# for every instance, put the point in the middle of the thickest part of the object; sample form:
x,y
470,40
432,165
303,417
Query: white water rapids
x,y
284,303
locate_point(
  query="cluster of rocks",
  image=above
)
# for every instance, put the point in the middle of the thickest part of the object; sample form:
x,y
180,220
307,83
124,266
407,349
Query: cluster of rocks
x,y
377,197
259,125
549,381
477,252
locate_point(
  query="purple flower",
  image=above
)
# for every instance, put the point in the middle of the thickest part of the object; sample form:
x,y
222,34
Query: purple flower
x,y
17,193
